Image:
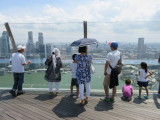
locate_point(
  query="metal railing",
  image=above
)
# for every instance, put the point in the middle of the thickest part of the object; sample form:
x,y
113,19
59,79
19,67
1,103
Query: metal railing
x,y
61,35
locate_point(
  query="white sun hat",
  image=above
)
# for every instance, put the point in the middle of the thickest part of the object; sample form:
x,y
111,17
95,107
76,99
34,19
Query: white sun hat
x,y
21,47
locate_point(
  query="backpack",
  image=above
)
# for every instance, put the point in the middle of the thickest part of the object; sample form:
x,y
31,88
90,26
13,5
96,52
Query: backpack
x,y
119,66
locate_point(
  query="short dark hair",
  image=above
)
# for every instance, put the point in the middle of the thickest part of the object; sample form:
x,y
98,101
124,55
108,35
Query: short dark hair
x,y
128,82
73,56
82,49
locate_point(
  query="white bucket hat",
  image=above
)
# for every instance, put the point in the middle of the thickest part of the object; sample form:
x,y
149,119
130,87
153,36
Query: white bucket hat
x,y
20,47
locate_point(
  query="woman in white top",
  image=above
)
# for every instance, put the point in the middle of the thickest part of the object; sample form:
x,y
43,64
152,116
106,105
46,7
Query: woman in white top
x,y
142,79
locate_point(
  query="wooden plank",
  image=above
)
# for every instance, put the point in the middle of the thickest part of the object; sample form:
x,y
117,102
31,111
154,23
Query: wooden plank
x,y
40,106
19,110
1,117
6,117
11,114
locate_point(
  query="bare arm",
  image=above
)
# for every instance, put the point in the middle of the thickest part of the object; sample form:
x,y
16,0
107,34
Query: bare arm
x,y
28,62
105,67
148,75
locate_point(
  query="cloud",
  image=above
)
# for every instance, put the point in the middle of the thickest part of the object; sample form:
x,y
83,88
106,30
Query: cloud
x,y
94,11
137,10
106,20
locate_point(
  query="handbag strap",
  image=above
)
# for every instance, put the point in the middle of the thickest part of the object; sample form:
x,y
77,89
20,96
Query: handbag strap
x,y
120,59
110,66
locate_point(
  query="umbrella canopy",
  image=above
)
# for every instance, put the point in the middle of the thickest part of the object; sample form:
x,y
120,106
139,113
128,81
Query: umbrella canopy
x,y
84,42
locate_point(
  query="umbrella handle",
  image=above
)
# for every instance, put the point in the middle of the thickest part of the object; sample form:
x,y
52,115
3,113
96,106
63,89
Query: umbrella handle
x,y
97,45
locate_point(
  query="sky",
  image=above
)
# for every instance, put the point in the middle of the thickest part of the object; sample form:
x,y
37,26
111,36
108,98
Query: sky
x,y
61,20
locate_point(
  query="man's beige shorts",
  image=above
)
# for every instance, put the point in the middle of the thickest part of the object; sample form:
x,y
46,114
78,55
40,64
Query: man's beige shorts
x,y
106,81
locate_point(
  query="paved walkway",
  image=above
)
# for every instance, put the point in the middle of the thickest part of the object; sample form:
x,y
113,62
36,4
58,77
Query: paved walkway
x,y
41,106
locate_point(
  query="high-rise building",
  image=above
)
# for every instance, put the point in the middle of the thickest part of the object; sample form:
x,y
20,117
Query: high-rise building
x,y
42,51
30,44
48,49
41,45
40,38
141,53
30,37
37,47
4,45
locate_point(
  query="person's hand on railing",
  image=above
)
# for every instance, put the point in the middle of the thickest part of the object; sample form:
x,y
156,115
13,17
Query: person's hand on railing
x,y
28,62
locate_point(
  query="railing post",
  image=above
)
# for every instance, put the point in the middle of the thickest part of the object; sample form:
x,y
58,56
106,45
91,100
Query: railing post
x,y
85,36
159,79
85,28
11,37
159,75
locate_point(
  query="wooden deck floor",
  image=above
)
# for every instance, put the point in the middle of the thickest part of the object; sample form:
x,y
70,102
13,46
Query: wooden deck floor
x,y
41,106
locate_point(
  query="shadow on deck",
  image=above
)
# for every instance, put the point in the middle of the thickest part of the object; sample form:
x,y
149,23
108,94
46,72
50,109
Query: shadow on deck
x,y
42,106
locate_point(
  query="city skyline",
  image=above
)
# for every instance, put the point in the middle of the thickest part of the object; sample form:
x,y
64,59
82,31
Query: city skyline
x,y
37,48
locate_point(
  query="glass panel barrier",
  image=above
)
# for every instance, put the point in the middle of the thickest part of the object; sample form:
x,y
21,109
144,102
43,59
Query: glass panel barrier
x,y
40,39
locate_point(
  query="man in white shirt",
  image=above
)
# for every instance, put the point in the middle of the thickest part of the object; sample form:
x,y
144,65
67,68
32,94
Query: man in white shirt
x,y
112,59
18,62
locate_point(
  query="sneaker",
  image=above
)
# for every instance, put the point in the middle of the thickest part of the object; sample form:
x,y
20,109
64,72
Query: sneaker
x,y
146,97
20,93
57,93
123,98
105,99
128,99
51,93
112,100
139,97
13,93
72,95
82,103
85,101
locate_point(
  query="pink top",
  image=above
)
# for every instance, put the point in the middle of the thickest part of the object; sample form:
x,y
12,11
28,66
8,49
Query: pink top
x,y
127,90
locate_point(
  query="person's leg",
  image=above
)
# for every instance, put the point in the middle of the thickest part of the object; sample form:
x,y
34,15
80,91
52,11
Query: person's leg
x,y
13,90
20,82
81,90
114,92
140,91
146,88
106,85
77,88
50,86
87,91
15,85
71,88
57,87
